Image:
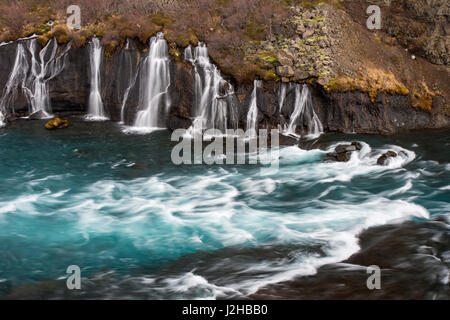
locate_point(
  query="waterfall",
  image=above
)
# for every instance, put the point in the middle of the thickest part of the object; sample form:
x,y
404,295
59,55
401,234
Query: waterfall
x,y
282,95
213,102
16,80
155,82
32,79
47,67
132,76
304,113
95,108
252,115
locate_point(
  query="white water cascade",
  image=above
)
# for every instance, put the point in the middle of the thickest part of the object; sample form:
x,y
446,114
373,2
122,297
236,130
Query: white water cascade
x,y
304,113
43,70
154,86
31,79
282,95
131,76
96,110
213,106
252,115
16,81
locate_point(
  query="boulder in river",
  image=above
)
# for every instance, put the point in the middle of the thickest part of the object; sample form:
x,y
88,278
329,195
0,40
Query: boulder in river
x,y
384,158
342,148
343,152
56,123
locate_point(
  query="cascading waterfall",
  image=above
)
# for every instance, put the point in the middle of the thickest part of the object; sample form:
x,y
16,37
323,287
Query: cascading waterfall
x,y
16,80
95,108
213,106
252,115
282,95
304,112
155,82
132,76
43,70
32,80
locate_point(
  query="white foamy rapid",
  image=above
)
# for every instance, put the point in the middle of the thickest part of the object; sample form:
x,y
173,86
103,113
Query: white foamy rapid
x,y
217,208
96,111
304,114
213,107
31,78
154,96
252,115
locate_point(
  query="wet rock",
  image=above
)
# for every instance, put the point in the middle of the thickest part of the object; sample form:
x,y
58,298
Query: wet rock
x,y
357,145
342,148
343,152
56,123
343,157
37,115
413,257
384,158
287,140
338,157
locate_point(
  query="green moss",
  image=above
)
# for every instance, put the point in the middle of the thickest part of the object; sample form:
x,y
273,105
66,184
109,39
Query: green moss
x,y
268,57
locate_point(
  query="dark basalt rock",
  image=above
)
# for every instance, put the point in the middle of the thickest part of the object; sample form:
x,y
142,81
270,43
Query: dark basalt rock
x,y
414,262
343,152
344,148
384,158
347,112
38,115
357,145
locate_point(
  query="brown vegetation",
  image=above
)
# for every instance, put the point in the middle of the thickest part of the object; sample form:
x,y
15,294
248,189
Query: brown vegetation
x,y
227,26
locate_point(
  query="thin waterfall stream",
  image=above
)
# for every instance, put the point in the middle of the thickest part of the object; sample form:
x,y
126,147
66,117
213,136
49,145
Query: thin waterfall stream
x,y
96,110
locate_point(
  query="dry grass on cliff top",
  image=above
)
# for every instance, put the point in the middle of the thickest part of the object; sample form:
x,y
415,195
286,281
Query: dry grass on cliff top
x,y
227,26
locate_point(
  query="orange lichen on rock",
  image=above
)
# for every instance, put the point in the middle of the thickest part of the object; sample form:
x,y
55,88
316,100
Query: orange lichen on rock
x,y
373,81
56,123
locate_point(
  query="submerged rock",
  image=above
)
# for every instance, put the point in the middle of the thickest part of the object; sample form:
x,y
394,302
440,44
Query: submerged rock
x,y
384,158
56,123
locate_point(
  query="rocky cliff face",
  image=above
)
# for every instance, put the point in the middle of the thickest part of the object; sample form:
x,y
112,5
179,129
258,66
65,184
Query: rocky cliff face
x,y
348,111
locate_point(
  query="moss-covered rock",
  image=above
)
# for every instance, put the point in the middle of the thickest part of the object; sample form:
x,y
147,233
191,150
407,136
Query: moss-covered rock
x,y
56,123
